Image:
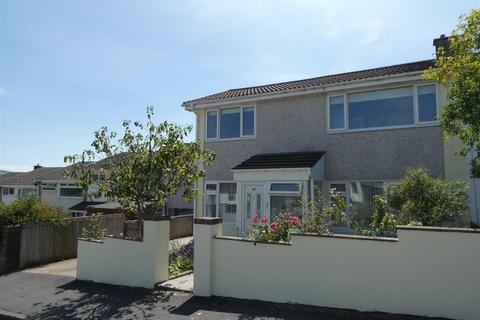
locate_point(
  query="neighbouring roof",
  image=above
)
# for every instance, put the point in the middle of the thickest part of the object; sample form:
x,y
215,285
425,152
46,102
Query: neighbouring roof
x,y
82,206
107,205
281,160
315,82
31,177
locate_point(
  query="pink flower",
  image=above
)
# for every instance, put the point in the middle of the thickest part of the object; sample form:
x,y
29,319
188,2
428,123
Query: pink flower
x,y
263,219
255,218
294,220
273,226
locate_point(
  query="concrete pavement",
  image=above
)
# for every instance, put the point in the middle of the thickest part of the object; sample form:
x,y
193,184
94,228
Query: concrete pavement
x,y
50,292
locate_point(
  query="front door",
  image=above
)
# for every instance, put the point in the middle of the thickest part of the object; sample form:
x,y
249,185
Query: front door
x,y
253,203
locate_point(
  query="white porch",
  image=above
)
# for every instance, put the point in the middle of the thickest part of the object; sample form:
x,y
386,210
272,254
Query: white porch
x,y
263,185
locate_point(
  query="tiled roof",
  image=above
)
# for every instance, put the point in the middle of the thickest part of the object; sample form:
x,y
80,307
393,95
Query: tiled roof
x,y
82,206
29,178
281,160
315,82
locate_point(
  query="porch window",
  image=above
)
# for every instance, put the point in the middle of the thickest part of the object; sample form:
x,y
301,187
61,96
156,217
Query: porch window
x,y
221,201
211,205
285,187
285,197
228,202
283,203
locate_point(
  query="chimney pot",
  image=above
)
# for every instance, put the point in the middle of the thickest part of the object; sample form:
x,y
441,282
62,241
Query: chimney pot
x,y
37,166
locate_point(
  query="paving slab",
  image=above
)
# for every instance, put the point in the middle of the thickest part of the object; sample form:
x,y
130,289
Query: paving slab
x,y
182,283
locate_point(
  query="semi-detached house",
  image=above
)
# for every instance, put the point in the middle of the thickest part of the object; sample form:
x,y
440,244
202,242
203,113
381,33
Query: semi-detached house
x,y
355,132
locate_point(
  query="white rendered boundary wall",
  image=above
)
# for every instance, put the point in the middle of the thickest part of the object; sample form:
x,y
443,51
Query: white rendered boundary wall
x,y
426,271
128,262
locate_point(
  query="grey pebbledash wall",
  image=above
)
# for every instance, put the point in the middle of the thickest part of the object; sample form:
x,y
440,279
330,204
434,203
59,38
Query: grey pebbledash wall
x,y
299,124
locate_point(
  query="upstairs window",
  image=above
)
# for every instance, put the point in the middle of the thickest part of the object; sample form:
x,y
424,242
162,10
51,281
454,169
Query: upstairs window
x,y
248,120
382,108
70,191
379,109
49,187
337,113
230,123
427,103
211,124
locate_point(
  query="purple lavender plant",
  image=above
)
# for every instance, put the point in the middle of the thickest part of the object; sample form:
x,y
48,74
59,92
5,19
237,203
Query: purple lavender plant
x,y
185,251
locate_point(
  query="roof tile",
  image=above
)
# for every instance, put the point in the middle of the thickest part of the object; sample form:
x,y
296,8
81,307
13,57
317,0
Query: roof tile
x,y
315,82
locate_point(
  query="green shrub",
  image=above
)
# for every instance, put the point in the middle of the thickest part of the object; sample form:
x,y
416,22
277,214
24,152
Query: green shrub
x,y
422,199
323,214
28,209
94,229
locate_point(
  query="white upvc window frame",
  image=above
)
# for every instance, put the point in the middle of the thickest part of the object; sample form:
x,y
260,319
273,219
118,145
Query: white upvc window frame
x,y
345,113
216,192
416,122
416,104
242,136
69,185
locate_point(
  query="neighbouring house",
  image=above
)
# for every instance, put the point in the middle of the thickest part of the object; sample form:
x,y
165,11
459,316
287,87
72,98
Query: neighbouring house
x,y
47,183
354,131
51,186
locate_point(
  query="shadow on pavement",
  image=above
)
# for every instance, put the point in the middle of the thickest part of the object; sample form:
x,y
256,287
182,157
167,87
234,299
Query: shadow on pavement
x,y
255,309
88,300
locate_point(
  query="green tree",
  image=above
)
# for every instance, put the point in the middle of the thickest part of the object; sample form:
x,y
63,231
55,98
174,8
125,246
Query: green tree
x,y
422,199
458,68
146,166
84,171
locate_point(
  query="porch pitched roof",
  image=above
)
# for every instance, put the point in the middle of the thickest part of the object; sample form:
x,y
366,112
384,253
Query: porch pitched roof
x,y
306,159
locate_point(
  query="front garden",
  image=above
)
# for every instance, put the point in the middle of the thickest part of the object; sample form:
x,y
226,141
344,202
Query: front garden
x,y
419,199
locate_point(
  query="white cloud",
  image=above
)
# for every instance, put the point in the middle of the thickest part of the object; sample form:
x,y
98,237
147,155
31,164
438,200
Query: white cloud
x,y
16,168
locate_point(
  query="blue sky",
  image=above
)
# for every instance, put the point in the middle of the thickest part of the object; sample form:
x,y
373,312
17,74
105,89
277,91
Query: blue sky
x,y
69,67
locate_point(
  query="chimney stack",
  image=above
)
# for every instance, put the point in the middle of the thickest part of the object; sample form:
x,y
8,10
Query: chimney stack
x,y
442,42
37,166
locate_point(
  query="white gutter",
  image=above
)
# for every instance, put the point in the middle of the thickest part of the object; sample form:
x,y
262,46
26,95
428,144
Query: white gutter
x,y
405,77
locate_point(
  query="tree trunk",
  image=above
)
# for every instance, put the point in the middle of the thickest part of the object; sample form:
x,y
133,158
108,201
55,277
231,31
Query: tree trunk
x,y
139,222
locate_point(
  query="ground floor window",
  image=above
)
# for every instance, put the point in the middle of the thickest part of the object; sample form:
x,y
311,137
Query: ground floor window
x,y
23,192
8,191
285,203
228,202
78,213
221,201
359,195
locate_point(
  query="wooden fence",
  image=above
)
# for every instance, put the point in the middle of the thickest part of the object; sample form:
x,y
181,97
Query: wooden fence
x,y
180,226
44,242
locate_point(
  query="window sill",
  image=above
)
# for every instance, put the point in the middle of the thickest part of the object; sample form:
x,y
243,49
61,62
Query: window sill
x,y
230,139
410,126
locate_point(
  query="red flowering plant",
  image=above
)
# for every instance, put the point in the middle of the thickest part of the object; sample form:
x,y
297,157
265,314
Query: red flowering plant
x,y
278,230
